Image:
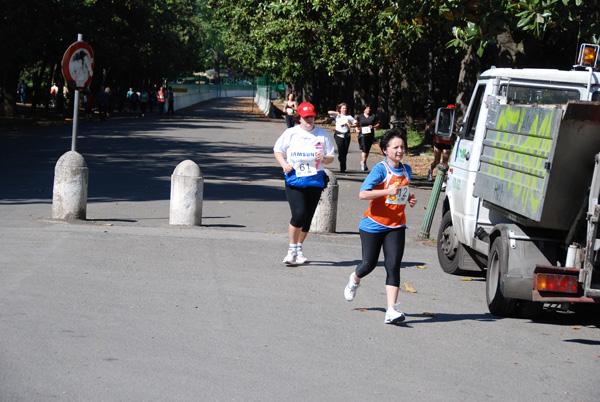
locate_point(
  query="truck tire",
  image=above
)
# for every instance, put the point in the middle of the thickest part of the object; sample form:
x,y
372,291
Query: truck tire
x,y
498,264
448,246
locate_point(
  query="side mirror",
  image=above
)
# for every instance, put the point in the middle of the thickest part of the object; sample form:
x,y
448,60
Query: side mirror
x,y
444,123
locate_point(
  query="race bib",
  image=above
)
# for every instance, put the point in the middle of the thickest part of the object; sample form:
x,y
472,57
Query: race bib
x,y
305,168
400,199
366,130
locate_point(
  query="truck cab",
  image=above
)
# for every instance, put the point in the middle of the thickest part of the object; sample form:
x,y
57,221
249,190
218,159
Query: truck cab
x,y
478,209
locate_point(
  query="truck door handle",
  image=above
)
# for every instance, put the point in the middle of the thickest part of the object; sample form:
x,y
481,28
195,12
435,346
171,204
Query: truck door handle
x,y
467,155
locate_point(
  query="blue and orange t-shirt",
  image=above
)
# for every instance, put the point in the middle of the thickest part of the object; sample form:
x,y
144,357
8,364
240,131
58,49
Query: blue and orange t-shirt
x,y
386,213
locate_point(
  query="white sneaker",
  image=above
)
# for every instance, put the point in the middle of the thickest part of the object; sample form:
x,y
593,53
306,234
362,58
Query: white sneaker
x,y
363,166
350,289
443,185
290,258
429,176
393,316
300,258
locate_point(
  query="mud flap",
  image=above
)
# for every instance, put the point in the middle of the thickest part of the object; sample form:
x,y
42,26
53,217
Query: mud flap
x,y
525,251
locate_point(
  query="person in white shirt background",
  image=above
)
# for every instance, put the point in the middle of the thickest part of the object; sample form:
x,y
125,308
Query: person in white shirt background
x,y
367,124
342,134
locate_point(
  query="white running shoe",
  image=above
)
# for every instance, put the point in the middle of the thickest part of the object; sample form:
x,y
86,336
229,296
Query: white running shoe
x,y
290,258
300,258
363,166
350,289
393,316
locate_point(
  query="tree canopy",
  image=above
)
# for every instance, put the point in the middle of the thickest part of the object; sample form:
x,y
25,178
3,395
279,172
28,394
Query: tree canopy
x,y
402,57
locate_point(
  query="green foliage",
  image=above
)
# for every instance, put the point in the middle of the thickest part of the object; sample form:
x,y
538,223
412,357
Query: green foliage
x,y
415,139
479,23
146,38
325,42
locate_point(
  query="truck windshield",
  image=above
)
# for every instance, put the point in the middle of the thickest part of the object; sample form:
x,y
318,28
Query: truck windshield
x,y
524,95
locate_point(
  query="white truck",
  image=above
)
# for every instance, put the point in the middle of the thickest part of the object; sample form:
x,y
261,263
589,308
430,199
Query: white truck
x,y
523,189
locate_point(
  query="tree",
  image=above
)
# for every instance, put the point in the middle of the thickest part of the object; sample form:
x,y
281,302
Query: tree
x,y
134,41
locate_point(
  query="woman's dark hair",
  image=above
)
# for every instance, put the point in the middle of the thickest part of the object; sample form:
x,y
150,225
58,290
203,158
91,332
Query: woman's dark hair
x,y
387,137
366,106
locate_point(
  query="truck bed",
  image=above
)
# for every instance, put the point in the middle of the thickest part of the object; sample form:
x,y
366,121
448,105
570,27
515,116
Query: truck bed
x,y
536,162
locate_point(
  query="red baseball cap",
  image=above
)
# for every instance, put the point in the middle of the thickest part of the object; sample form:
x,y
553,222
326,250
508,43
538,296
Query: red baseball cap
x,y
306,109
450,107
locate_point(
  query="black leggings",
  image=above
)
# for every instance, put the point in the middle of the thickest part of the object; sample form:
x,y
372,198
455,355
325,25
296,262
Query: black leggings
x,y
365,142
289,120
393,250
343,144
303,203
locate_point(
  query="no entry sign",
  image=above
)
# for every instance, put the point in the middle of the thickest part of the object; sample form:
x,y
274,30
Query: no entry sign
x,y
78,65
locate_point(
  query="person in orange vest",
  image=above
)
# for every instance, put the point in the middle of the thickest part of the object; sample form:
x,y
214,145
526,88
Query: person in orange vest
x,y
53,93
383,225
161,97
442,148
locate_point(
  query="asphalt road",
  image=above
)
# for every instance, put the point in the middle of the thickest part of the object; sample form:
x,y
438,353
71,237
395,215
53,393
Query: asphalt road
x,y
125,307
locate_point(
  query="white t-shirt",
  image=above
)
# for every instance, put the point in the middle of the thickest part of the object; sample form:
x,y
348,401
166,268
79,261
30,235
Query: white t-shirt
x,y
342,122
300,148
298,145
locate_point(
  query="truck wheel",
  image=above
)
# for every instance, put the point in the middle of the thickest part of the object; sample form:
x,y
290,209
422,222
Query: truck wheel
x,y
497,264
448,246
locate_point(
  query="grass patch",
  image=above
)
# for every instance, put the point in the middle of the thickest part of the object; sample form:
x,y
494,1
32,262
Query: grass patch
x,y
415,139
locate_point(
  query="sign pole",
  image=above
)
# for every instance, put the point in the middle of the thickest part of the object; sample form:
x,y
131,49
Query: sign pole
x,y
76,110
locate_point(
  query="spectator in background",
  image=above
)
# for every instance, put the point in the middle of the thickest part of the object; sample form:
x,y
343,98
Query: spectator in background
x,y
22,91
53,93
161,97
65,96
442,147
102,100
170,100
151,98
143,101
290,108
135,100
88,104
129,97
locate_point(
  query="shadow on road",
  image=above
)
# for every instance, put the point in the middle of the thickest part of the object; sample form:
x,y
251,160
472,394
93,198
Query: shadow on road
x,y
128,162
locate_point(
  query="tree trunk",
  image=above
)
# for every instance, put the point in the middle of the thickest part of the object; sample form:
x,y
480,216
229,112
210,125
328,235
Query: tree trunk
x,y
359,99
407,101
510,53
36,94
469,70
10,81
383,96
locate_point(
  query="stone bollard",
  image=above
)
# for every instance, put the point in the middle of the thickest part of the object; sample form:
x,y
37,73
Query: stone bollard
x,y
187,185
325,218
69,195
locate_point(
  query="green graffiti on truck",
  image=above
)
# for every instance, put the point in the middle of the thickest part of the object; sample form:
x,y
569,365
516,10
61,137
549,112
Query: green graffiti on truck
x,y
522,141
